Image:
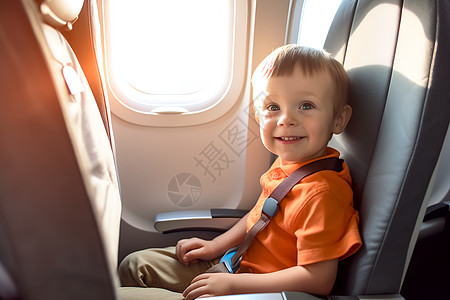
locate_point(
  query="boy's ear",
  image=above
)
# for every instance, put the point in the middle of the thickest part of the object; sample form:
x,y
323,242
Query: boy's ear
x,y
257,117
342,118
256,113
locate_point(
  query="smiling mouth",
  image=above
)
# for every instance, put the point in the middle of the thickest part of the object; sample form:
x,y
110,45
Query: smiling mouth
x,y
289,138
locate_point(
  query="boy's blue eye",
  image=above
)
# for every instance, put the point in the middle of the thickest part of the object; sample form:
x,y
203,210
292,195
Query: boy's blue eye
x,y
306,106
272,107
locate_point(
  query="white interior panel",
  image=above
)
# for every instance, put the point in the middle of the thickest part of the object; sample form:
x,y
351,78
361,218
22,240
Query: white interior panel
x,y
199,167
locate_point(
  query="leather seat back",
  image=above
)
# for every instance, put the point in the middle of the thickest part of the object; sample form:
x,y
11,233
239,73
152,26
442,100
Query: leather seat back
x,y
396,54
59,193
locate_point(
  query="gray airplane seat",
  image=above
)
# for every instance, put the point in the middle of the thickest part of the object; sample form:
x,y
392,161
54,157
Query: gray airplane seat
x,y
59,196
396,55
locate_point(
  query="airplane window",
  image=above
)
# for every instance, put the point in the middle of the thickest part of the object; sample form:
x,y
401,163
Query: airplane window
x,y
315,21
170,57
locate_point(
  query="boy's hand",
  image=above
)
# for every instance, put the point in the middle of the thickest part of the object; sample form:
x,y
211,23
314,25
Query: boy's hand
x,y
209,284
194,249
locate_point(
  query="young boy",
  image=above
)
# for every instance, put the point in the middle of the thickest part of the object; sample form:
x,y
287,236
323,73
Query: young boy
x,y
300,101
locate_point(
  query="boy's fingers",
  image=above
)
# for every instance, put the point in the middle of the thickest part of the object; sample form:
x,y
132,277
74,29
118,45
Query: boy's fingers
x,y
194,289
200,277
181,250
192,256
187,251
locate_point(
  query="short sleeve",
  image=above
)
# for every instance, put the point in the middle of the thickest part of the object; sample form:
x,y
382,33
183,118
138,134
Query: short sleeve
x,y
326,228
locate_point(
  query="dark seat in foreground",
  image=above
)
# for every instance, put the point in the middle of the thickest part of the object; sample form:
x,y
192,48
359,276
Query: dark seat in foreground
x,y
59,195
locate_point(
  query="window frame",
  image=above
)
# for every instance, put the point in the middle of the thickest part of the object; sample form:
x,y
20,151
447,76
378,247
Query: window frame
x,y
296,23
174,116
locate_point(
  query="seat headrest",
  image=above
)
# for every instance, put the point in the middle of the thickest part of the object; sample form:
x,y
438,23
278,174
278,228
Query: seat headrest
x,y
60,13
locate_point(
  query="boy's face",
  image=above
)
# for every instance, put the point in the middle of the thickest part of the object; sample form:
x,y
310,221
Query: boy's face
x,y
297,117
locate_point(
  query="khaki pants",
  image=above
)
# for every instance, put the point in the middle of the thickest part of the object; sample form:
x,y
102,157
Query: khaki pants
x,y
157,274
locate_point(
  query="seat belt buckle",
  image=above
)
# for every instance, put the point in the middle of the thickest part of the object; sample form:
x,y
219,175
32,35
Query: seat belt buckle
x,y
226,260
270,207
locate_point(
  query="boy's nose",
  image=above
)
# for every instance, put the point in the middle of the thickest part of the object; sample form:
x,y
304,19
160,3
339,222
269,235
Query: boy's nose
x,y
287,119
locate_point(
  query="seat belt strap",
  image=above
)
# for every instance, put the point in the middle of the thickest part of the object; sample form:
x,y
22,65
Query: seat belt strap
x,y
271,205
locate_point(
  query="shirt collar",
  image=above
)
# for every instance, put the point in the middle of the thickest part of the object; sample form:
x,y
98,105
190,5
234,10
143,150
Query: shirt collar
x,y
289,169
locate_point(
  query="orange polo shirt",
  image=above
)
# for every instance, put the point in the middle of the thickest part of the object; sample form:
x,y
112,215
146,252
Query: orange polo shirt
x,y
316,220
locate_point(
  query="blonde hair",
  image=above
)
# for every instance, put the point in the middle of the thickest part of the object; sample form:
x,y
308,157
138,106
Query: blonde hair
x,y
283,61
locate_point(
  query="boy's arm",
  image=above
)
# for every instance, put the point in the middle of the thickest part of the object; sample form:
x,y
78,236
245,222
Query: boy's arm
x,y
191,250
317,278
233,236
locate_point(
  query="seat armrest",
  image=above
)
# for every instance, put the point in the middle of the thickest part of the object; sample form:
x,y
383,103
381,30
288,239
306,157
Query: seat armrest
x,y
305,296
213,219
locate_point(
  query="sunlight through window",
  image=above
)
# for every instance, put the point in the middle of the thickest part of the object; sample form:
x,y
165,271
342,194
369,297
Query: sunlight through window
x,y
316,19
173,53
